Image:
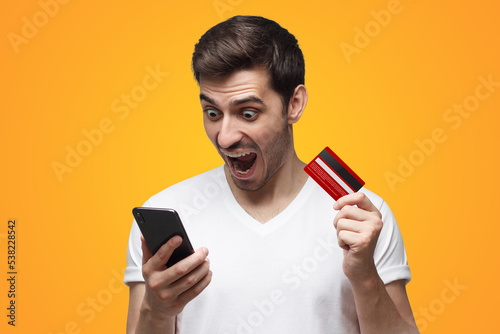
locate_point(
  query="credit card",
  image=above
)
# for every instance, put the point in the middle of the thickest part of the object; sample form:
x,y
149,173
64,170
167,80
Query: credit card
x,y
333,174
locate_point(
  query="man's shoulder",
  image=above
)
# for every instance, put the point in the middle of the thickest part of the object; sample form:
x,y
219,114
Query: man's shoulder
x,y
208,182
377,201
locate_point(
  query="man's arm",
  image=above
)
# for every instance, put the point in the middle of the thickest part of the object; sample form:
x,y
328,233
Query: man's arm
x,y
136,297
154,305
384,309
136,294
380,308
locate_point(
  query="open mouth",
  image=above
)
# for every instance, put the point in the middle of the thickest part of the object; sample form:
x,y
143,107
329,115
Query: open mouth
x,y
242,163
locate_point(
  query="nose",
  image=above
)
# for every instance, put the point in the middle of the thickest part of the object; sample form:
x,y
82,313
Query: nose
x,y
229,133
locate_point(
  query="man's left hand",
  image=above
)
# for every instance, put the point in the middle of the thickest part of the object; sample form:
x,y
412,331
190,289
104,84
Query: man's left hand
x,y
358,225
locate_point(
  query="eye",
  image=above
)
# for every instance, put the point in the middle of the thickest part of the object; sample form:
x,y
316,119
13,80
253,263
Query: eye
x,y
249,114
213,113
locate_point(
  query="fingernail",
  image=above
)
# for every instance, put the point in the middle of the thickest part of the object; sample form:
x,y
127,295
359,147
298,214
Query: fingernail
x,y
205,251
335,206
176,240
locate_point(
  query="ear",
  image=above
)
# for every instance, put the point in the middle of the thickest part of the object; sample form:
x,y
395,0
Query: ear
x,y
297,104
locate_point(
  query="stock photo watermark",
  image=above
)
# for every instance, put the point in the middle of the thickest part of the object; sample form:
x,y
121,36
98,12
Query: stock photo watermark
x,y
424,316
31,25
380,19
225,6
93,305
291,280
121,108
12,271
454,118
201,198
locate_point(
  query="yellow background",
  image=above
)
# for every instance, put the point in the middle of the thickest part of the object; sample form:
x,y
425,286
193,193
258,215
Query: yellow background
x,y
63,79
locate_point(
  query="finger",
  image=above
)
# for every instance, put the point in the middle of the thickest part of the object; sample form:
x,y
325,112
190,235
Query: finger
x,y
350,225
187,265
161,257
346,239
359,199
352,212
192,278
198,288
146,253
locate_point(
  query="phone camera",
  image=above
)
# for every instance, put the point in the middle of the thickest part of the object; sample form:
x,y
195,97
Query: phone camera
x,y
139,218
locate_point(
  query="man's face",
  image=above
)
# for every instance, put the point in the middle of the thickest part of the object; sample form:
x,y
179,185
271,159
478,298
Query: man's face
x,y
244,119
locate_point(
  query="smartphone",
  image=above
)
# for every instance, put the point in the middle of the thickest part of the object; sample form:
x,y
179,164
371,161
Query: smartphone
x,y
158,226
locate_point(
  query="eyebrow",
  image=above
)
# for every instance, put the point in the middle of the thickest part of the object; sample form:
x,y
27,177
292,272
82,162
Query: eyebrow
x,y
238,102
251,98
206,98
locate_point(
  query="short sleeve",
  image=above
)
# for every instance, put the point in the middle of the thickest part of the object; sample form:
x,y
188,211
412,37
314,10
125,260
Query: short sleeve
x,y
390,254
133,272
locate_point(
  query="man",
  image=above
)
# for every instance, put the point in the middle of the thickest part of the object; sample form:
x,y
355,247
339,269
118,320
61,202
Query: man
x,y
273,233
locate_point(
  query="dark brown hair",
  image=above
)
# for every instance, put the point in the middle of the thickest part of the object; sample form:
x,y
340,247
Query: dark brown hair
x,y
244,42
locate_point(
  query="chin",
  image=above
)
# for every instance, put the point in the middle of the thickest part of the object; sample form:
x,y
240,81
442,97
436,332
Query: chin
x,y
246,185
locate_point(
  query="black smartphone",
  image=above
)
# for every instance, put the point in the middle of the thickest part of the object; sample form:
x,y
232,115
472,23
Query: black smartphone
x,y
158,226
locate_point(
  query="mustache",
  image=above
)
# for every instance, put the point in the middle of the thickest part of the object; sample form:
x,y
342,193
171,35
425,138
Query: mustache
x,y
239,145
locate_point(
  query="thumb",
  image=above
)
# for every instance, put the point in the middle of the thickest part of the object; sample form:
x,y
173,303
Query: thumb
x,y
146,253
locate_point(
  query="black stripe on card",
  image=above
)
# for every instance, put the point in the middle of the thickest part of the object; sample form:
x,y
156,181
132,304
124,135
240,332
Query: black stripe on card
x,y
337,167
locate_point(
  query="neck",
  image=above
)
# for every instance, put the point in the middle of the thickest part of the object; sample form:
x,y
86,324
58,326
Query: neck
x,y
276,194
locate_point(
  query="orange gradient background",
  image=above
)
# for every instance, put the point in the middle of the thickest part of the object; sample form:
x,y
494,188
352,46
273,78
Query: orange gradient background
x,y
72,232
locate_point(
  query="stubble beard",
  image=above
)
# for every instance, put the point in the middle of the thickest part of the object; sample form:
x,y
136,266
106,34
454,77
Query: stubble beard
x,y
277,155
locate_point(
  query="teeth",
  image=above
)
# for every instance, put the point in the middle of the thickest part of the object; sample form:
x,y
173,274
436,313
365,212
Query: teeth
x,y
235,163
236,155
241,172
237,168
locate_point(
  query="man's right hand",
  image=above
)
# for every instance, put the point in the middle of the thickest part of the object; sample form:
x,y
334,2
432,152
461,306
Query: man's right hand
x,y
168,290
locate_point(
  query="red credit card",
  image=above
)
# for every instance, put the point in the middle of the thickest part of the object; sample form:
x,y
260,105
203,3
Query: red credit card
x,y
333,175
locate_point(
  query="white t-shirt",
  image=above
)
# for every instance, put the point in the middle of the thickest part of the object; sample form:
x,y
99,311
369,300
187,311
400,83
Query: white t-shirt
x,y
284,276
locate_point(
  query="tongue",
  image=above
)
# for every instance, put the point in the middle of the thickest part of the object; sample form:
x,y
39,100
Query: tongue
x,y
245,162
